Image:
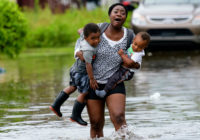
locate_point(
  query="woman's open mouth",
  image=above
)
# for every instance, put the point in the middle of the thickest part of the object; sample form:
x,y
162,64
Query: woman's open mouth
x,y
118,19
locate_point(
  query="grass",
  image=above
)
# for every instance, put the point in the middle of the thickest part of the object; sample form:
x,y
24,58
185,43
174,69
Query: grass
x,y
53,30
41,52
38,52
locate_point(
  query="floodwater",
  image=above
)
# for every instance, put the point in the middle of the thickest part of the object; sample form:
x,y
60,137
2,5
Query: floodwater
x,y
163,99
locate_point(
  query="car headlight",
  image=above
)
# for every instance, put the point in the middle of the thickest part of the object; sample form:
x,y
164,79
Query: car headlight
x,y
138,19
196,20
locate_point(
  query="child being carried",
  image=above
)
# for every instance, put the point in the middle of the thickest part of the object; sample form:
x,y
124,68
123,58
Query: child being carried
x,y
131,63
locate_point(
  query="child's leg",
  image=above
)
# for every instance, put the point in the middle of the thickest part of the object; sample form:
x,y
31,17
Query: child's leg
x,y
80,102
60,99
112,82
116,78
69,90
78,108
128,75
81,97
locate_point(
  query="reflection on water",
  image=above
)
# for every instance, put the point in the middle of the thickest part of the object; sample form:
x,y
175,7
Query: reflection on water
x,y
163,100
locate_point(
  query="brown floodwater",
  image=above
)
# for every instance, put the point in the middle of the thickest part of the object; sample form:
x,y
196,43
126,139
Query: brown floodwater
x,y
163,99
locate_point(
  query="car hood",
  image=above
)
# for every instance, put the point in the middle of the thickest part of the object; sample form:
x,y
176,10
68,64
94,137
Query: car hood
x,y
166,9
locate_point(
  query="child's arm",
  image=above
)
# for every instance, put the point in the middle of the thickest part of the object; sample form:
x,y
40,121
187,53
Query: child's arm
x,y
87,54
93,82
127,61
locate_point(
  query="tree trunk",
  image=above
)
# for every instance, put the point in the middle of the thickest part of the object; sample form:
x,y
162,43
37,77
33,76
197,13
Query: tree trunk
x,y
57,7
26,3
43,3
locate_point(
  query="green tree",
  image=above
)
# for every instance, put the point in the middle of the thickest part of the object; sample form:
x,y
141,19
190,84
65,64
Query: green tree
x,y
13,28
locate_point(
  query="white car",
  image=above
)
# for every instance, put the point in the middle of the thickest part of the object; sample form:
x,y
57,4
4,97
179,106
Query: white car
x,y
168,20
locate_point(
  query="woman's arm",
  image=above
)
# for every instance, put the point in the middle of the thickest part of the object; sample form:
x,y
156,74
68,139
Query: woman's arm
x,y
127,61
80,31
79,54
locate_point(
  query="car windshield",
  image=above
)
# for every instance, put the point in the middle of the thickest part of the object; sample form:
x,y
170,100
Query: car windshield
x,y
171,2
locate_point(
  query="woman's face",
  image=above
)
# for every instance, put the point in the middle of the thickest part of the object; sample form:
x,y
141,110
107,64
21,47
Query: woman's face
x,y
118,16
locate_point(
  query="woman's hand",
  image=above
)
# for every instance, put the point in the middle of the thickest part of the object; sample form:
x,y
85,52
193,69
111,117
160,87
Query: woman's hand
x,y
80,31
120,52
79,54
93,84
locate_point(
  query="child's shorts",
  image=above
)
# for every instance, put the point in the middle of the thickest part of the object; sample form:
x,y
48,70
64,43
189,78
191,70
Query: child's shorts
x,y
79,80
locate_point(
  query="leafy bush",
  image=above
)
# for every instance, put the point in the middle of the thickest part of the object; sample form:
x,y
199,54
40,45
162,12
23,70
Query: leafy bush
x,y
12,28
52,35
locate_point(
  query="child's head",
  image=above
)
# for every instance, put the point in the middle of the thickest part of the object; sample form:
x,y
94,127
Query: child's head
x,y
141,41
91,33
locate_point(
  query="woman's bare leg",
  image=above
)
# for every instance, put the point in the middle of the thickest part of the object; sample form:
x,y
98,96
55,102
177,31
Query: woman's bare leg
x,y
116,106
96,110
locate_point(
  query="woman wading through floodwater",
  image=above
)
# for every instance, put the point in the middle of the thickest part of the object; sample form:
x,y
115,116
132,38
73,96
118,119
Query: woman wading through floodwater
x,y
106,63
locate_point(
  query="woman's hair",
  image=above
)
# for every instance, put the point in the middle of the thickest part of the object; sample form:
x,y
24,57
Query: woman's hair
x,y
114,5
90,28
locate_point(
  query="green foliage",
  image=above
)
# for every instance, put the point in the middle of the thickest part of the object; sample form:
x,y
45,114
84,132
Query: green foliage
x,y
12,28
54,30
49,36
128,20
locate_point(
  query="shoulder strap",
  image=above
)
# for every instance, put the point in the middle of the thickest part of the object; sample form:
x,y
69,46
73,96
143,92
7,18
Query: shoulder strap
x,y
104,26
130,37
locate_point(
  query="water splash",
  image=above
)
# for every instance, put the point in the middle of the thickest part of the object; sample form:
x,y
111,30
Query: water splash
x,y
155,96
101,138
125,133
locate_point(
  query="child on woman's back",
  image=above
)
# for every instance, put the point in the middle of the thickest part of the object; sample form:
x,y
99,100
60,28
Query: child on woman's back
x,y
81,75
132,62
